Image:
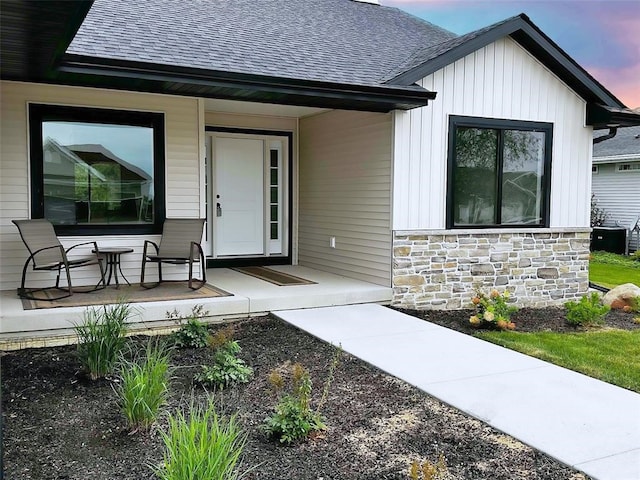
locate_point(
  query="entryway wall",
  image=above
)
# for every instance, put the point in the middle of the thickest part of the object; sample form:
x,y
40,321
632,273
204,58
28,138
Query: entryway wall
x,y
269,123
345,194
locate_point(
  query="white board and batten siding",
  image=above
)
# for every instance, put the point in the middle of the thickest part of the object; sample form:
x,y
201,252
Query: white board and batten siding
x,y
345,192
618,194
502,81
183,120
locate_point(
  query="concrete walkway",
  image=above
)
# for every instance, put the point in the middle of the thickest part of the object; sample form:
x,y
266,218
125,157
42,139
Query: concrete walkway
x,y
585,423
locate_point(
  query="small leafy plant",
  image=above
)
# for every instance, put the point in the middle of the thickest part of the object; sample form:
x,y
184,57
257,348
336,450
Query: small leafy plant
x,y
586,312
193,331
101,337
429,470
294,419
227,368
201,446
493,311
143,387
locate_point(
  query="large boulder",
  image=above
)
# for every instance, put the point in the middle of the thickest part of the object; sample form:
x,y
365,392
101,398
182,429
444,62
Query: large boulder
x,y
622,295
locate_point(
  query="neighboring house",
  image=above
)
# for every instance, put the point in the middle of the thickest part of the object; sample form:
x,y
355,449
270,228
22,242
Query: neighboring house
x,y
84,184
616,179
344,136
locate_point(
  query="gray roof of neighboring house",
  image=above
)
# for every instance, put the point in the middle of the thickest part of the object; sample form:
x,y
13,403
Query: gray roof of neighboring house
x,y
338,41
98,153
626,142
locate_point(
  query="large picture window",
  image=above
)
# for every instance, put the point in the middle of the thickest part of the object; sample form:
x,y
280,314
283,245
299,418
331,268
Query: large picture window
x,y
97,171
498,173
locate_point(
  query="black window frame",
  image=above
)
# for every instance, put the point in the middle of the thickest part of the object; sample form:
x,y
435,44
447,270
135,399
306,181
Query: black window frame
x,y
501,125
39,113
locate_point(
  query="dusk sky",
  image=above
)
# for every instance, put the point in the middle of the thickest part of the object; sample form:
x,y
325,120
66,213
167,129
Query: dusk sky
x,y
603,36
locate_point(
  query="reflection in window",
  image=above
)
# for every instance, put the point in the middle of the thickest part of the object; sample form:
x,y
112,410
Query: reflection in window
x,y
96,169
85,181
498,173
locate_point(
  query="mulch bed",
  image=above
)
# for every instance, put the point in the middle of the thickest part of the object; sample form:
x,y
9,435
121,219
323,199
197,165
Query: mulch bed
x,y
60,425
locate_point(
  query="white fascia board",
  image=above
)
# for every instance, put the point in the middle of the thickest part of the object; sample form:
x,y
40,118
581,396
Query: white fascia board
x,y
634,157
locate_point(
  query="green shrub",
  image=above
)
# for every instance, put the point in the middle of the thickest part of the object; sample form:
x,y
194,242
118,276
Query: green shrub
x,y
201,447
101,337
193,332
143,387
227,368
588,311
615,259
493,311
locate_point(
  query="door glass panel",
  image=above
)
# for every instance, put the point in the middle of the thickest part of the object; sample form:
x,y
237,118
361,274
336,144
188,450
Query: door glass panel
x,y
274,190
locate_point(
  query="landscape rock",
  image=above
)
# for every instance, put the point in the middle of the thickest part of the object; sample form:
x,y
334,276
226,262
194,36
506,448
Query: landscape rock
x,y
621,296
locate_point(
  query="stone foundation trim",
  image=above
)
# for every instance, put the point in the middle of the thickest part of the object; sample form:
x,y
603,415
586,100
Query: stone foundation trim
x,y
443,269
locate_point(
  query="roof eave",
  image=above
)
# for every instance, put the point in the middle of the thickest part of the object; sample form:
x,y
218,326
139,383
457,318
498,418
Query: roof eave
x,y
603,116
35,34
174,80
633,157
523,31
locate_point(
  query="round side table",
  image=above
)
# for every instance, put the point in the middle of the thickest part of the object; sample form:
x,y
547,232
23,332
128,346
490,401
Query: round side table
x,y
112,257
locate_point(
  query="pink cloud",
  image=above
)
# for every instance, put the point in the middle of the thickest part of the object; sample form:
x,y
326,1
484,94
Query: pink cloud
x,y
624,83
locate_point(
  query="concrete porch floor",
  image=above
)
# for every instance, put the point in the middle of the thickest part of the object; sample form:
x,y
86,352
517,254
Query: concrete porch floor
x,y
21,328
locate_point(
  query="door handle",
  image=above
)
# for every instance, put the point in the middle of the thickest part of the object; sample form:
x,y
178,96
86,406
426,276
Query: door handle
x,y
218,210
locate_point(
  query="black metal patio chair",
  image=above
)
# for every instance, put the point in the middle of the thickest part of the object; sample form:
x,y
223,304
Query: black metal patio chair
x,y
179,245
47,253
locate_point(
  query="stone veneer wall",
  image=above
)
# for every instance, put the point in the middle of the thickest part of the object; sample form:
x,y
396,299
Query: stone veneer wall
x,y
443,270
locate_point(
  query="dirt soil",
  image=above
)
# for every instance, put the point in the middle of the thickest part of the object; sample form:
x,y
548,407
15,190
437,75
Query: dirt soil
x,y
60,425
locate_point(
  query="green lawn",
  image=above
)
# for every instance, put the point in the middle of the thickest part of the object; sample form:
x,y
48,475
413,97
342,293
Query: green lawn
x,y
612,355
611,270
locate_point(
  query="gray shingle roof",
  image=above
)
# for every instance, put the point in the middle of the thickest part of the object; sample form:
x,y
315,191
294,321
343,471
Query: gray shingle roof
x,y
626,142
427,53
327,40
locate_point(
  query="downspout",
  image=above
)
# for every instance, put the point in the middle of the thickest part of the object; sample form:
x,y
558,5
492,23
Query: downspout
x,y
612,133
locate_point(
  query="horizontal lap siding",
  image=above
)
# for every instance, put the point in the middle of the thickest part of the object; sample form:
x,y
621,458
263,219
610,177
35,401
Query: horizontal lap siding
x,y
182,170
504,81
618,194
345,173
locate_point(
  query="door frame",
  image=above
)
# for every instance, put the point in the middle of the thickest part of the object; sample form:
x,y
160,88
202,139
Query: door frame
x,y
288,202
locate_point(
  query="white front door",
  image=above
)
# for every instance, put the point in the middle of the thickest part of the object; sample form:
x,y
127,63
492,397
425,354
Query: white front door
x,y
238,206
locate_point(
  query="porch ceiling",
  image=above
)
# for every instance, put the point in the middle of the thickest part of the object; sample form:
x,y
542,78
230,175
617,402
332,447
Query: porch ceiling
x,y
231,106
34,34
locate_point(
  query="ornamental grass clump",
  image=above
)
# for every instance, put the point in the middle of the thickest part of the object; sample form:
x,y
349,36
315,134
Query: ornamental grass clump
x,y
101,337
226,368
201,446
144,386
589,311
493,311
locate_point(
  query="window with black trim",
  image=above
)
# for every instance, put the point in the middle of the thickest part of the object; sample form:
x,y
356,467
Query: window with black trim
x,y
498,173
97,171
